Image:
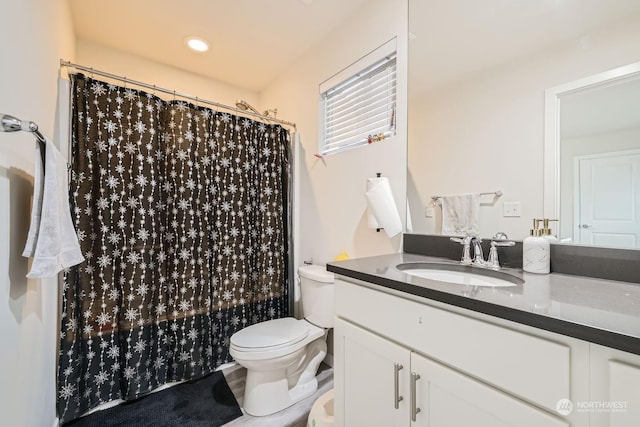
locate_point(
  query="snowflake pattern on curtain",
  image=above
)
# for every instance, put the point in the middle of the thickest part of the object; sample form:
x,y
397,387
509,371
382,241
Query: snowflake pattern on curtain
x,y
182,216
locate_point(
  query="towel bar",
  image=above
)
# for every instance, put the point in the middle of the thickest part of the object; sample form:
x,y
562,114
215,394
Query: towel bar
x,y
497,193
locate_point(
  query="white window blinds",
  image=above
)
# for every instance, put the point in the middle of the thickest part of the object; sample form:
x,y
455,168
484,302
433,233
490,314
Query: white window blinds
x,y
360,109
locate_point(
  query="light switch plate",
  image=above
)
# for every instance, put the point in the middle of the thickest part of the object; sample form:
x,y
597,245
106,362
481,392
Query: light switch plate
x,y
511,209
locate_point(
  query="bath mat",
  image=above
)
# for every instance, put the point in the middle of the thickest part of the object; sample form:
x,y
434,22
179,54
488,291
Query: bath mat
x,y
199,403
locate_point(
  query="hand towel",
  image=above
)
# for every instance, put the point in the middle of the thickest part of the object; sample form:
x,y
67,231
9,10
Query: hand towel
x,y
36,209
460,214
52,239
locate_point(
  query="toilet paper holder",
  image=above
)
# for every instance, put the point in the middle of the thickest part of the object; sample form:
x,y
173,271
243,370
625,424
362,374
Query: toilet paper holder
x,y
382,210
378,175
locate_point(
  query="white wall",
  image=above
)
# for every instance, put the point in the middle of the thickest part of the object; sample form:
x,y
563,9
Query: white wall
x,y
331,200
35,34
486,133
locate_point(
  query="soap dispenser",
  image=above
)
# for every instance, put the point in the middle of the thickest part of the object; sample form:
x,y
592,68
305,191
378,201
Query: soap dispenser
x,y
547,233
536,251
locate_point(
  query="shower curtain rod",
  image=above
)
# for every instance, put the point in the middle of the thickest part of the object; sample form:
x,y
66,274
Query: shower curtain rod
x,y
69,64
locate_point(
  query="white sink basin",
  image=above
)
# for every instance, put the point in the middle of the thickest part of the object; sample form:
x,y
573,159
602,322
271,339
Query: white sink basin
x,y
459,274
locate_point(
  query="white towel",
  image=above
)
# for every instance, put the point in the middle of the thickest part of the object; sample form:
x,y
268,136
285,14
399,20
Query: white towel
x,y
52,240
36,210
460,214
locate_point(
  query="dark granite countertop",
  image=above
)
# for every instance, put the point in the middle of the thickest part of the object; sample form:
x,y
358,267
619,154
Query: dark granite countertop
x,y
604,312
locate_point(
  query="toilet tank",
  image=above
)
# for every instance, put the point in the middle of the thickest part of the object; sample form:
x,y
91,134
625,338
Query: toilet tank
x,y
316,292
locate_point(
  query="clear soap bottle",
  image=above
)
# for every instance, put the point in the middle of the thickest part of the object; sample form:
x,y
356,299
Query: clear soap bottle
x,y
536,251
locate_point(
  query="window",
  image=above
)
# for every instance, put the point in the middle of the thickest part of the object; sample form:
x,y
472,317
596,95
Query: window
x,y
360,108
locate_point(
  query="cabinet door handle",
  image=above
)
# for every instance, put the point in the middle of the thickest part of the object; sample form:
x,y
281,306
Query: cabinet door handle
x,y
414,409
396,385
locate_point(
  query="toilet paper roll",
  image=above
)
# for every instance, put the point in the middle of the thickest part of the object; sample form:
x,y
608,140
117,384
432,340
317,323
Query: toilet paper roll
x,y
382,209
372,222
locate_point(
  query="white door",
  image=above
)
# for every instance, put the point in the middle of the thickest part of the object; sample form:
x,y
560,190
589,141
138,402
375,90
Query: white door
x,y
608,205
373,390
448,398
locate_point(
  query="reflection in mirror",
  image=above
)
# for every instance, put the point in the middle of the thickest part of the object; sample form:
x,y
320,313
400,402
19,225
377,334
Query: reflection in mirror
x,y
478,72
593,164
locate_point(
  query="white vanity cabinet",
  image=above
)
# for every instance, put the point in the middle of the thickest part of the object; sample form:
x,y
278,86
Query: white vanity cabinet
x,y
459,370
384,384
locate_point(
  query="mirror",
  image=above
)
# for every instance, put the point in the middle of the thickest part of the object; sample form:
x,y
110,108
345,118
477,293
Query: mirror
x,y
592,165
478,74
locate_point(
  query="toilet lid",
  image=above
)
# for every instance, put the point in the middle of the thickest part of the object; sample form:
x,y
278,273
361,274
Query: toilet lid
x,y
316,272
272,333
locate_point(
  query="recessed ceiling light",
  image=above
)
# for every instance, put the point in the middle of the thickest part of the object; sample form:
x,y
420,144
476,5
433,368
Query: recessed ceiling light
x,y
197,44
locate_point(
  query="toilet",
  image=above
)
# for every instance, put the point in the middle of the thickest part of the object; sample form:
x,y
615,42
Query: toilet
x,y
282,356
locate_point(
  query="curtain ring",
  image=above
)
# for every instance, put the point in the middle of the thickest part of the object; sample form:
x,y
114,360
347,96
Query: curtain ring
x,y
154,90
125,82
197,104
174,95
91,73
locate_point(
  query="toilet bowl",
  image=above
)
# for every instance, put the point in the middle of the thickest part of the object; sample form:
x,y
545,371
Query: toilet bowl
x,y
282,356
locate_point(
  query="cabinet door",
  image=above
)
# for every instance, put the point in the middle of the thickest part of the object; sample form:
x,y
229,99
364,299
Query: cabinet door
x,y
624,392
445,397
615,389
371,379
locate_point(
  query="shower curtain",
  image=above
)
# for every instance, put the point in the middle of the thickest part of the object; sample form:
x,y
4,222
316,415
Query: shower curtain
x,y
182,213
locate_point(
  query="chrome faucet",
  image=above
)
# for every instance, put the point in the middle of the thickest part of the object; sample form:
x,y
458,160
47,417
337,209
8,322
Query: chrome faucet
x,y
478,256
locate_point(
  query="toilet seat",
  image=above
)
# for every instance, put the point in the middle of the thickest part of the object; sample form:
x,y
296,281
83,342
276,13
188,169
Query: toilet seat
x,y
273,338
270,335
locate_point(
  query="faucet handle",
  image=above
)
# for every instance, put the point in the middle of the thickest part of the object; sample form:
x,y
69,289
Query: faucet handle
x,y
492,261
495,243
466,248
